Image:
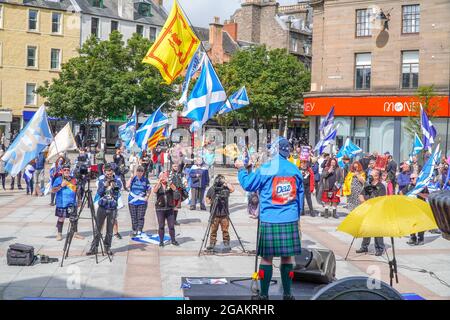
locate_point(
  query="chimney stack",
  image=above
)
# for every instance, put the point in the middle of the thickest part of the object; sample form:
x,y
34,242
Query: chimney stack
x,y
216,40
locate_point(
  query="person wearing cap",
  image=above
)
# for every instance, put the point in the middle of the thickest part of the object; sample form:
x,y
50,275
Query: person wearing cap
x,y
65,188
280,187
140,191
108,193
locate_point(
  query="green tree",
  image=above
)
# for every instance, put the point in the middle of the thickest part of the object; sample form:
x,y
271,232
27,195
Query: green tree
x,y
106,80
424,95
275,82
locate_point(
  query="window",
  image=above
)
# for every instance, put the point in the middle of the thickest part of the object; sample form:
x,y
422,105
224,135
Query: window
x,y
1,16
363,63
56,22
294,45
33,20
140,29
97,3
30,98
410,69
55,59
31,57
94,26
411,19
363,28
114,25
152,34
145,9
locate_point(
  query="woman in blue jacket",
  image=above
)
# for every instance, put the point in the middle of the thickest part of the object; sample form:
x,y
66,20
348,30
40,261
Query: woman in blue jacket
x,y
280,187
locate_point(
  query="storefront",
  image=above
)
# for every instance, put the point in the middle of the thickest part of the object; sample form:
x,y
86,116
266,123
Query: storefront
x,y
377,123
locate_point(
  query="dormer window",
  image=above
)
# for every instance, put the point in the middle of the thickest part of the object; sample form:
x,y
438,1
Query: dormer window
x,y
145,9
97,3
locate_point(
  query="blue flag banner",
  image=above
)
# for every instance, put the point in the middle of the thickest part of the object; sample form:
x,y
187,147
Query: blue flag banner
x,y
327,123
193,67
426,174
418,145
127,131
349,149
156,121
428,130
29,143
236,101
207,97
326,141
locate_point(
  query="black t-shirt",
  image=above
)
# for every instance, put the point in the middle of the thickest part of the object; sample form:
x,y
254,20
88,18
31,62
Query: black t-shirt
x,y
219,201
119,159
378,190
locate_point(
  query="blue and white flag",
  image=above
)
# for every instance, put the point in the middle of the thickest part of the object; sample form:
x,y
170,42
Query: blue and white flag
x,y
155,122
236,101
29,143
28,173
207,97
127,131
349,149
327,124
428,130
193,67
426,174
418,145
326,141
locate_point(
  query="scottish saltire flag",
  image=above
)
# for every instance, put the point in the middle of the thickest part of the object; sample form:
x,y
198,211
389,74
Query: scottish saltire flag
x,y
327,123
418,145
236,101
29,143
28,173
428,130
150,127
193,67
426,174
348,149
127,131
326,141
207,97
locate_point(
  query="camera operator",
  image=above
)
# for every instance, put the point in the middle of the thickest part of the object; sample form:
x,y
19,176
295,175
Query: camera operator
x,y
166,197
65,186
218,196
121,169
176,177
372,189
81,172
140,191
108,191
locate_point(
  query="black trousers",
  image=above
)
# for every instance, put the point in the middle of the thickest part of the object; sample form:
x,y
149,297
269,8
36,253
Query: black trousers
x,y
308,199
198,195
162,216
110,217
419,235
19,182
3,177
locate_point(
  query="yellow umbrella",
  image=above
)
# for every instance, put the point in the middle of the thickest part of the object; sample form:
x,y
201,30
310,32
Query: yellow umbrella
x,y
389,216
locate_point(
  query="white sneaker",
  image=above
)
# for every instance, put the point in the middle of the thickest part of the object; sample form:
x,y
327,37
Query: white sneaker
x,y
59,237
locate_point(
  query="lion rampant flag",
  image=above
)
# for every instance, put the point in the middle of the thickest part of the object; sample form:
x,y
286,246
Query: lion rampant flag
x,y
174,47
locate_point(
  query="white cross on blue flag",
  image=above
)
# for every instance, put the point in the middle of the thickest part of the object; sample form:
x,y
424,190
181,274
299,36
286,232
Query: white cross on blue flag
x,y
236,101
207,97
428,130
155,122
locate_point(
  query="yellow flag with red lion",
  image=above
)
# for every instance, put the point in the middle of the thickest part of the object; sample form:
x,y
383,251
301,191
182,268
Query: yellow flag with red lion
x,y
174,47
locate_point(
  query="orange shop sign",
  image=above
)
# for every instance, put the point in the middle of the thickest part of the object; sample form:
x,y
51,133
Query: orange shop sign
x,y
385,106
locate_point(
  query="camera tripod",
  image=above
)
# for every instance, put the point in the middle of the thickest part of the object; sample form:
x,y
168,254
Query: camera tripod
x,y
208,229
73,225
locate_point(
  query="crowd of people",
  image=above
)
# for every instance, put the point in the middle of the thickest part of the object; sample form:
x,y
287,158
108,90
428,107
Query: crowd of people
x,y
380,174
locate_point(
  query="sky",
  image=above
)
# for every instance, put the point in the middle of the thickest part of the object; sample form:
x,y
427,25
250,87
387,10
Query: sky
x,y
202,12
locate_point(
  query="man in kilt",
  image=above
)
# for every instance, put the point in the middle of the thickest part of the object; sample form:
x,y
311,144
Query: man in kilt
x,y
280,187
65,188
140,191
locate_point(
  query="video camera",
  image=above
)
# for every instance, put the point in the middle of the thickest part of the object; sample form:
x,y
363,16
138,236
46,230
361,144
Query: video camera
x,y
221,191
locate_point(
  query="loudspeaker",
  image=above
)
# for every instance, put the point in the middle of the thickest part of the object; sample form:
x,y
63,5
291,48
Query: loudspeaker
x,y
357,288
440,205
315,265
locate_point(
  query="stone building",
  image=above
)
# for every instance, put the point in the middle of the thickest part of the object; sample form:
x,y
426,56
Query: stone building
x,y
369,58
266,22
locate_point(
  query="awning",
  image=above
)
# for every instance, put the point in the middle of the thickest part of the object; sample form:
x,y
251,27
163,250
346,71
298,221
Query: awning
x,y
27,115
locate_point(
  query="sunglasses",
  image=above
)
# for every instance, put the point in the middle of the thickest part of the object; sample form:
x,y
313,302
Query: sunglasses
x,y
66,169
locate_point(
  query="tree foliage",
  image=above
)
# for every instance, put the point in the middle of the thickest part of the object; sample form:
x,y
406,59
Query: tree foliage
x,y
106,80
424,95
275,82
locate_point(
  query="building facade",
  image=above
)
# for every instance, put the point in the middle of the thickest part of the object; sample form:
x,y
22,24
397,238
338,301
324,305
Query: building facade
x,y
369,59
36,37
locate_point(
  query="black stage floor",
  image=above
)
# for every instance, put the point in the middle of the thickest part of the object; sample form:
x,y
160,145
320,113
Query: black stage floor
x,y
241,290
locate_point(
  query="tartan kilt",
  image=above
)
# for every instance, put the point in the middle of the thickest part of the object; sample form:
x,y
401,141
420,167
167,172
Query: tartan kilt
x,y
279,239
62,212
334,199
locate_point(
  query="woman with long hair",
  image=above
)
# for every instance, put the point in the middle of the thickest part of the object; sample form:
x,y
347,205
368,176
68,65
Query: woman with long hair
x,y
354,184
55,172
331,182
